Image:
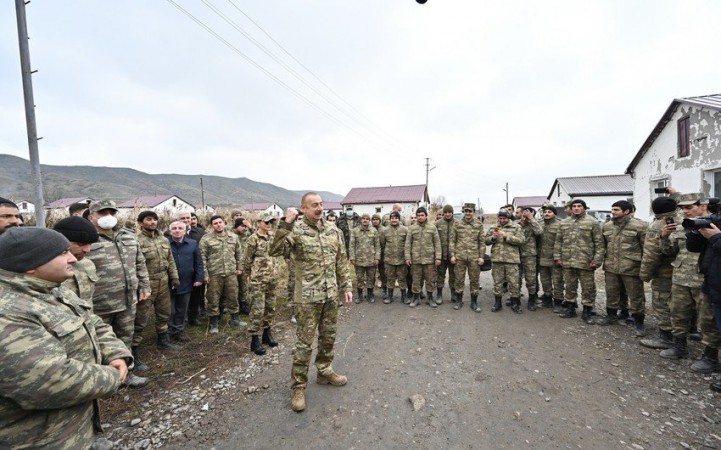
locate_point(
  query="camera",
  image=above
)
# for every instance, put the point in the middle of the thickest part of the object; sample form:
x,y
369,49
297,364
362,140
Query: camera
x,y
705,222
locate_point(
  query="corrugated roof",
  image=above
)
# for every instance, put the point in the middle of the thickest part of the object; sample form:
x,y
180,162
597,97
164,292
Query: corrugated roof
x,y
595,185
256,206
387,194
328,206
65,202
149,201
533,202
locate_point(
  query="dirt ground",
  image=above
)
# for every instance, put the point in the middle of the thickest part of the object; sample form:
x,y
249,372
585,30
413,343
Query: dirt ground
x,y
489,380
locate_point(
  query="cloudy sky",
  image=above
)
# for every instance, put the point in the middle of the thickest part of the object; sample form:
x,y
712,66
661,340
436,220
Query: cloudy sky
x,y
358,93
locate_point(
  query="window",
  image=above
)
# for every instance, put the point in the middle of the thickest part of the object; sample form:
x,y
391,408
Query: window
x,y
378,209
659,184
683,137
175,202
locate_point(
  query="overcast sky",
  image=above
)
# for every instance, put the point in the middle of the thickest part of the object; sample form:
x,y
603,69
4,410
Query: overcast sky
x,y
493,92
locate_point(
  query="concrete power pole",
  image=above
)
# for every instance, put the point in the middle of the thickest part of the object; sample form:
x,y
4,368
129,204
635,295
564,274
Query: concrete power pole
x,y
428,169
30,112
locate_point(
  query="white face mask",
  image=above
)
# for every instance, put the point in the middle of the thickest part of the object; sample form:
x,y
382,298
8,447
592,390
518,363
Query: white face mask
x,y
107,222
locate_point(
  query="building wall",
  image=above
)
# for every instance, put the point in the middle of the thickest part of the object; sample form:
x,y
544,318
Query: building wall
x,y
25,207
601,202
172,209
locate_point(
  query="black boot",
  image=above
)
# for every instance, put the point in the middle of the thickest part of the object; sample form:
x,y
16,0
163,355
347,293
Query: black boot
x,y
639,329
385,293
716,386
532,302
244,307
546,301
587,314
569,310
236,322
458,301
623,315
663,341
516,305
268,338
453,295
509,302
416,300
557,305
474,303
359,298
497,306
708,362
694,334
422,294
388,296
255,345
140,366
439,292
214,323
165,344
405,298
678,351
431,301
610,319
370,296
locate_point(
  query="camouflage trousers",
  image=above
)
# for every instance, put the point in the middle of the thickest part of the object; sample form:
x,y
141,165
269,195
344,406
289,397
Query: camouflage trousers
x,y
291,280
660,302
506,273
421,273
685,303
381,274
471,267
123,322
242,288
529,272
396,273
634,289
365,276
311,317
222,291
572,278
262,305
552,281
158,302
441,270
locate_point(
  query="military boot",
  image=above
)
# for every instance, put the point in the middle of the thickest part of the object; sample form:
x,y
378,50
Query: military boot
x,y
405,298
268,338
431,301
546,301
165,344
587,314
359,297
244,307
370,296
516,305
497,306
557,305
678,351
255,345
532,301
708,362
639,329
236,322
416,300
139,366
509,302
388,296
214,323
569,310
458,301
623,315
474,303
135,381
663,341
694,334
453,295
331,378
715,386
439,296
609,319
385,293
297,399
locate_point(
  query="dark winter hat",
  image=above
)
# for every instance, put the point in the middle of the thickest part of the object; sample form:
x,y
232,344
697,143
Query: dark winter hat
x,y
448,209
238,222
77,229
663,205
145,214
395,214
4,201
580,202
331,214
421,210
27,248
505,213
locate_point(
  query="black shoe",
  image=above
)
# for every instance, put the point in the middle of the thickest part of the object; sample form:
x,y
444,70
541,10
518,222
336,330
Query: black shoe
x,y
557,305
474,303
431,302
194,322
388,296
532,302
214,324
422,294
359,297
516,305
140,366
622,314
716,387
453,295
268,338
546,301
639,329
678,351
458,301
587,314
610,319
695,335
255,345
244,308
569,312
509,302
385,293
405,298
497,306
663,341
708,362
165,344
416,300
370,296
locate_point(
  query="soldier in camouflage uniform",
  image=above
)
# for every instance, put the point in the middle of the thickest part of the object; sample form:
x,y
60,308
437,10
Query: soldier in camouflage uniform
x,y
624,237
163,274
656,268
423,255
380,268
532,231
364,254
579,249
506,240
321,270
241,228
467,251
551,274
386,219
446,227
393,240
56,357
346,223
686,294
81,234
223,262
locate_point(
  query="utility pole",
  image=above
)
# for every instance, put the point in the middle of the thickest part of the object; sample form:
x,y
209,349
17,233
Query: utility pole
x,y
428,169
30,112
506,189
202,195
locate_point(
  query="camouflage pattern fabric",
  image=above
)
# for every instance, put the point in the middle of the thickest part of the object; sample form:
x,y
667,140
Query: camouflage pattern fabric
x,y
532,231
529,272
365,246
445,230
467,244
615,284
365,276
423,245
158,256
158,303
222,292
686,264
122,323
473,269
396,273
579,243
311,317
386,220
505,273
506,250
624,246
685,303
552,281
393,241
82,283
423,273
263,271
346,225
221,253
572,277
656,268
548,240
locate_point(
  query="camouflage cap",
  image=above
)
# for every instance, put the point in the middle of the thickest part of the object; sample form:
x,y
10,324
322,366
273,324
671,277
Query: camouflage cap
x,y
100,205
471,206
448,209
266,217
688,199
376,216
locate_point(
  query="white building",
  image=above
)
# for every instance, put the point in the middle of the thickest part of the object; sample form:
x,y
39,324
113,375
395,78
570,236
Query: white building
x,y
25,207
169,205
263,207
380,200
599,192
683,151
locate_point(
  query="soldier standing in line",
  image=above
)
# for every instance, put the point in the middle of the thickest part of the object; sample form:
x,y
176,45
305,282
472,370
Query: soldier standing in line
x,y
386,219
551,274
624,237
81,234
380,268
423,255
531,230
446,227
163,274
56,357
579,249
656,268
122,277
506,240
223,262
346,223
467,250
322,268
262,270
365,253
393,240
242,229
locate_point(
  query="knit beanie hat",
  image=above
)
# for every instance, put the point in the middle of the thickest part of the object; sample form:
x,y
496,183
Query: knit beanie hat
x,y
663,205
27,248
145,214
421,210
238,222
448,209
77,229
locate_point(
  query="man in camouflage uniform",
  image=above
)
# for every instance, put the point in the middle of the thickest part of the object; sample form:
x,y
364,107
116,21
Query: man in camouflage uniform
x,y
467,250
81,234
346,223
624,237
579,250
242,229
163,274
686,294
9,215
506,240
446,227
393,241
321,270
364,254
532,231
386,219
657,269
122,276
223,262
423,255
551,274
56,357
263,272
380,268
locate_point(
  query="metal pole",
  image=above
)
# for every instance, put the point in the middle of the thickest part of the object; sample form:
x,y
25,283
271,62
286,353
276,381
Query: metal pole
x,y
30,112
202,195
506,189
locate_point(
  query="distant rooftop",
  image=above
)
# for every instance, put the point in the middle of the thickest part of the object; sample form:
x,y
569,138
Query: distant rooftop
x,y
65,202
387,194
256,206
150,201
595,185
533,202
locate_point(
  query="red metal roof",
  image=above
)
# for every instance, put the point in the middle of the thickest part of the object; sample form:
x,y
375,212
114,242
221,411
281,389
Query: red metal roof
x,y
256,206
387,194
532,202
148,201
65,202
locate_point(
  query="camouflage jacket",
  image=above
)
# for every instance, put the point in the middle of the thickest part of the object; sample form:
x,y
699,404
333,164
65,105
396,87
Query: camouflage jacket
x,y
548,240
365,246
120,266
257,262
624,246
82,283
221,254
243,239
531,232
507,249
445,230
386,220
468,240
53,365
423,246
393,240
655,266
346,225
321,266
158,256
579,243
686,264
